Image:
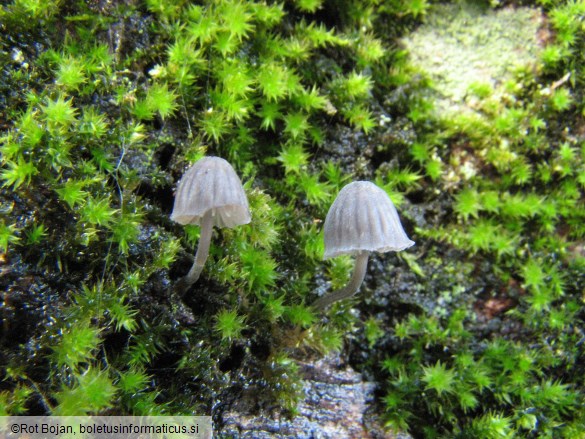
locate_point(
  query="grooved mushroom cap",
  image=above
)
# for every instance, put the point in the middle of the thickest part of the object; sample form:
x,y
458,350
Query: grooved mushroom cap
x,y
211,184
363,218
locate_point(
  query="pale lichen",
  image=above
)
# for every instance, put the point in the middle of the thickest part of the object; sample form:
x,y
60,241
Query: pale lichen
x,y
465,44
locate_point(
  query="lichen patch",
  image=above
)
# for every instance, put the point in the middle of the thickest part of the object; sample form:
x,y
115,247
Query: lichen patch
x,y
463,44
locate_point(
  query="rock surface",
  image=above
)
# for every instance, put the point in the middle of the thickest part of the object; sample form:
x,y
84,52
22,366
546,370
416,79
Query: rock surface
x,y
337,404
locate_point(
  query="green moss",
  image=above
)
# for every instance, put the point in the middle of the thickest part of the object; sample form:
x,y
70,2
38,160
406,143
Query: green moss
x,y
481,319
7,235
92,393
229,325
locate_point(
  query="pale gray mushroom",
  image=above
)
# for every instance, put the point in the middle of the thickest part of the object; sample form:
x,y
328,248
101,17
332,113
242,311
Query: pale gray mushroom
x,y
361,220
209,194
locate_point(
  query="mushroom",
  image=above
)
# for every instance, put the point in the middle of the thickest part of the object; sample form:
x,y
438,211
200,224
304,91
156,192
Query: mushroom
x,y
361,220
209,194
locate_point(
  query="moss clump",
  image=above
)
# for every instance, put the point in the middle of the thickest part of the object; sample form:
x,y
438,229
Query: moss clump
x,y
93,142
482,319
482,354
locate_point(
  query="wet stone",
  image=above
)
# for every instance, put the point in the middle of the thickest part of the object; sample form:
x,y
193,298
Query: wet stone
x,y
337,404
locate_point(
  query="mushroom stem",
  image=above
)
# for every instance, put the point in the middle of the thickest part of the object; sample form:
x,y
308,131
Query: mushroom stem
x,y
359,272
202,252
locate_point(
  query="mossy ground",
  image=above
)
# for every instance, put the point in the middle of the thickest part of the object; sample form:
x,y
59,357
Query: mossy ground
x,y
477,331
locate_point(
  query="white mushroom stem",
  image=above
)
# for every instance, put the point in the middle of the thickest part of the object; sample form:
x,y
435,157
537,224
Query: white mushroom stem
x,y
359,272
202,250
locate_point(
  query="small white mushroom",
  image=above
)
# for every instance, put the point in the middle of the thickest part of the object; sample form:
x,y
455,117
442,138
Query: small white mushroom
x,y
209,194
361,220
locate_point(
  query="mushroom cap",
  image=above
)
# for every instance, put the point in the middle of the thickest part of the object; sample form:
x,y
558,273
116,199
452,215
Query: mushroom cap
x,y
211,184
363,218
